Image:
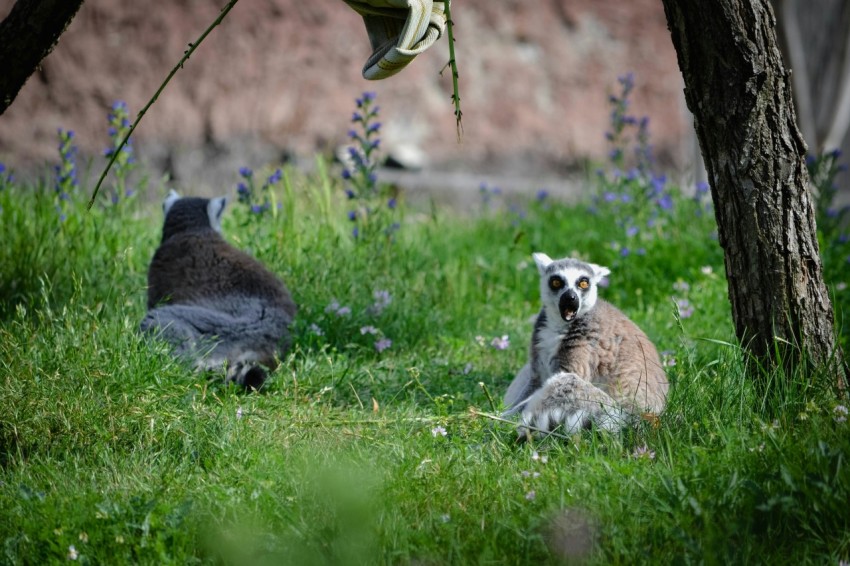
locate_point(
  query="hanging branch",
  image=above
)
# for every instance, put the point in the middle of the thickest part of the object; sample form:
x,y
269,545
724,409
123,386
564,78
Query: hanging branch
x,y
178,66
453,64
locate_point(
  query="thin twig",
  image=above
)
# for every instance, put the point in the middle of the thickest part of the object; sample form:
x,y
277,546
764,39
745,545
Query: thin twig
x,y
483,386
178,66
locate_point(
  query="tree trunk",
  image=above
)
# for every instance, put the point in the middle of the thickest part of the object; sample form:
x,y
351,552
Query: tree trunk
x,y
27,35
739,92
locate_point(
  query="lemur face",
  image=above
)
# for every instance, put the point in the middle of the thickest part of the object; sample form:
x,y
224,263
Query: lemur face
x,y
568,286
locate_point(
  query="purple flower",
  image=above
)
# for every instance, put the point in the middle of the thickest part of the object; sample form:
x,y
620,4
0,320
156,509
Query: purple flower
x,y
275,177
365,99
356,116
542,195
382,298
667,358
643,452
437,430
391,204
373,128
624,251
383,344
531,495
343,311
666,202
631,231
332,307
352,215
686,310
501,343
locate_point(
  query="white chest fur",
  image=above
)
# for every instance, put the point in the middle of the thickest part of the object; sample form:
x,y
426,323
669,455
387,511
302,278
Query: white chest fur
x,y
549,341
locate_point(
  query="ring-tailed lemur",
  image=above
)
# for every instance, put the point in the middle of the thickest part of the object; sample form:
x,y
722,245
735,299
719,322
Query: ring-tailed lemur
x,y
588,362
216,305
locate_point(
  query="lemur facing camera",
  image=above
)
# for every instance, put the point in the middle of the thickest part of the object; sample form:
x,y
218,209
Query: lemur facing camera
x,y
589,364
217,306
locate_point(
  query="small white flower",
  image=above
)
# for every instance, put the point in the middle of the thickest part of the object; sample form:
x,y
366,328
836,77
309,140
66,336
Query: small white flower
x,y
368,330
706,270
841,287
438,431
72,553
531,495
480,340
840,415
314,328
538,457
467,368
643,452
239,413
445,517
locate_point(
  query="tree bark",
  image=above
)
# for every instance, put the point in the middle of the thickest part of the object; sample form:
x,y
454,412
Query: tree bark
x,y
739,92
27,35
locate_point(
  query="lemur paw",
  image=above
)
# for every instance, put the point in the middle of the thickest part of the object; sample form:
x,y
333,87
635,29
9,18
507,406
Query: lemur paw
x,y
568,403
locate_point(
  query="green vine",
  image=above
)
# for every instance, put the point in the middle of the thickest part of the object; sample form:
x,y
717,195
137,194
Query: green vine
x,y
453,65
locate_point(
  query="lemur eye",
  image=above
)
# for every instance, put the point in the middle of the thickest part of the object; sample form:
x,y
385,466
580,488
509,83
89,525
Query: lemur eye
x,y
555,283
583,283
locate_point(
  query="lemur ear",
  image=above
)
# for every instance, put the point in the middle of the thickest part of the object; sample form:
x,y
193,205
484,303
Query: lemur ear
x,y
169,201
543,261
599,272
215,209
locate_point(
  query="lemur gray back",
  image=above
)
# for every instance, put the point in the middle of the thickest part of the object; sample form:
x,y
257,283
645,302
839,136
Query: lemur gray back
x,y
214,303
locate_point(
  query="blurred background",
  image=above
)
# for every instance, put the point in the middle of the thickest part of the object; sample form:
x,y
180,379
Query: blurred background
x,y
276,82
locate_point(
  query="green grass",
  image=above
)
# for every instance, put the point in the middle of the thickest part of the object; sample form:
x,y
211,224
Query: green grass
x,y
110,446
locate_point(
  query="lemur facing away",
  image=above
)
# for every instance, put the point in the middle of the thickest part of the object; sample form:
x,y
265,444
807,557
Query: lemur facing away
x,y
589,362
216,305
